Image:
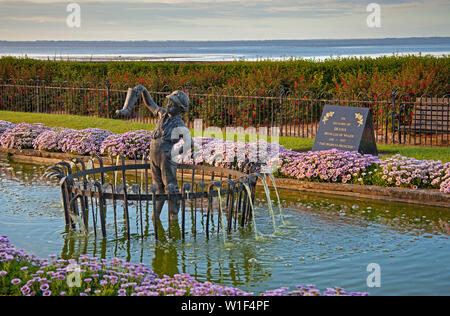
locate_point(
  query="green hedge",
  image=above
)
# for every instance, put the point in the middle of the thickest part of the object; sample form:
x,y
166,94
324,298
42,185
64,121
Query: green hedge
x,y
412,74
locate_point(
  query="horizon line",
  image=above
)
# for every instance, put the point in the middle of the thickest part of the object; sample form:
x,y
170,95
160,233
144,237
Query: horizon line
x,y
238,40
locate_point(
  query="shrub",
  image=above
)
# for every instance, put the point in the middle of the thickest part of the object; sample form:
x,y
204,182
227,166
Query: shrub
x,y
420,74
52,140
445,185
133,144
22,135
4,125
402,171
327,166
332,166
83,142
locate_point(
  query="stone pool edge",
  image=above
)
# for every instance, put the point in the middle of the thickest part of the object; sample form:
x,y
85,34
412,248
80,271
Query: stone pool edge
x,y
426,197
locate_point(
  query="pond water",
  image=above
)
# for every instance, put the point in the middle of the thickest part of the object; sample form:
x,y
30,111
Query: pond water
x,y
322,240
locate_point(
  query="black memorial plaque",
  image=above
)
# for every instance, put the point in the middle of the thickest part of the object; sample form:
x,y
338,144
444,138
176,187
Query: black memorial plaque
x,y
346,128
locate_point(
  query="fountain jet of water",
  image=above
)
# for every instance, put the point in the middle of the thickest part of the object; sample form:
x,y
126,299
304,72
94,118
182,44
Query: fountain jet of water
x,y
249,194
269,200
278,197
219,196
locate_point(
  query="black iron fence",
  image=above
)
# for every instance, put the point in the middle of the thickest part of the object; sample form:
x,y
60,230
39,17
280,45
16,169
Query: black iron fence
x,y
84,189
397,117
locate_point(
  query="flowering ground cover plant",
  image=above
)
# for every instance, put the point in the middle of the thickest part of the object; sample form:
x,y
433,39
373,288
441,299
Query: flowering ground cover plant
x,y
52,139
328,166
22,274
352,167
4,125
445,185
223,153
86,141
333,166
410,172
22,135
133,144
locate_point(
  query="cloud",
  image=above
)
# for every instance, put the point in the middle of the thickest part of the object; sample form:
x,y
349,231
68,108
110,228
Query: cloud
x,y
224,19
170,2
34,19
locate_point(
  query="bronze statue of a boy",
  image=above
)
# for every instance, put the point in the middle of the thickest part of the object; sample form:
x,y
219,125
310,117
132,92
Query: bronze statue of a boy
x,y
166,134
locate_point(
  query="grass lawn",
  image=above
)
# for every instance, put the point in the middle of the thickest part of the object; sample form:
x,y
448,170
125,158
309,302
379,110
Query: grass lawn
x,y
73,121
418,152
120,126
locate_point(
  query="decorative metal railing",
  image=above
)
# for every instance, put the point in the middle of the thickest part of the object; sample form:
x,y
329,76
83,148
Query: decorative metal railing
x,y
398,117
90,188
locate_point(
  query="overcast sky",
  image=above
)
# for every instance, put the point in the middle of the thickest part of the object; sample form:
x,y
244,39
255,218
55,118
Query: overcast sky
x,y
221,19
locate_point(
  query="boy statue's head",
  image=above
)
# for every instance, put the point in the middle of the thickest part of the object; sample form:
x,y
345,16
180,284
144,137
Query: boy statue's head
x,y
178,102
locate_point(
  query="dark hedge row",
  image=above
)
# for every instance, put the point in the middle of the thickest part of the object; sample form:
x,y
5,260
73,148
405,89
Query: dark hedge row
x,y
412,74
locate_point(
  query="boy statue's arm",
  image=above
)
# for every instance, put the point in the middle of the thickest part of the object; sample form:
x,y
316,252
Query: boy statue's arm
x,y
132,97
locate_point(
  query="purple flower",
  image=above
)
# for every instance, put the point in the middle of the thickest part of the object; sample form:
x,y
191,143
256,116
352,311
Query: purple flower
x,y
4,125
52,140
22,135
44,287
325,166
83,142
16,281
25,290
133,144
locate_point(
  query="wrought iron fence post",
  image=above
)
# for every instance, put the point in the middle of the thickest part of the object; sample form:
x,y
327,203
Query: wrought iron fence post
x,y
38,101
392,113
281,92
108,95
188,89
401,114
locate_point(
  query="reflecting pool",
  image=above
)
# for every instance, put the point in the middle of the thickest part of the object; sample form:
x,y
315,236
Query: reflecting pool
x,y
318,239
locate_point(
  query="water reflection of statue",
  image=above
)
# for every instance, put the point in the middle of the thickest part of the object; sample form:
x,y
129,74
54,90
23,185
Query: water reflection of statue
x,y
169,130
165,261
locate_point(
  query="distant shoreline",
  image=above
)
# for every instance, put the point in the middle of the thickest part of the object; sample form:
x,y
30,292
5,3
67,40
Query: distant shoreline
x,y
223,51
329,40
203,59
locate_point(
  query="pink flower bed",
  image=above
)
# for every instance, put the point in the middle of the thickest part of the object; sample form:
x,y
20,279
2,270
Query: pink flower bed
x,y
134,144
22,274
332,166
327,166
409,172
22,135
